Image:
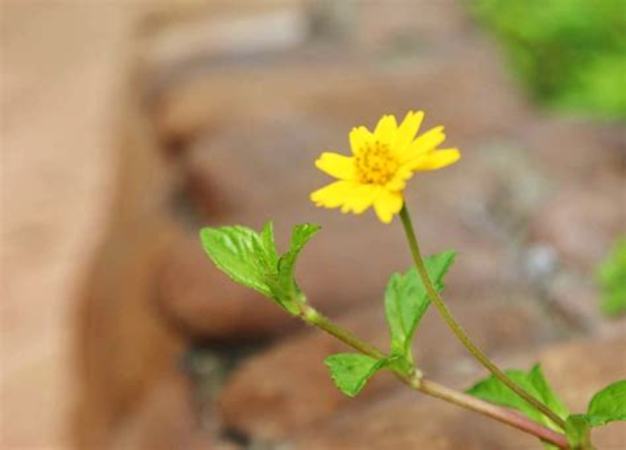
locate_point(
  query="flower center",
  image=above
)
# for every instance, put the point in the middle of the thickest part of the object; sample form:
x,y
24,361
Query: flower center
x,y
375,164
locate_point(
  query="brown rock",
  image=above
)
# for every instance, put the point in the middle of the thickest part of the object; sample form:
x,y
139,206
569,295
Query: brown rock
x,y
163,420
581,222
287,388
62,65
575,151
413,422
124,346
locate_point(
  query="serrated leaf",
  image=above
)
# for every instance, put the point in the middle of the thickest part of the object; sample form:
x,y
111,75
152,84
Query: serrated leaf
x,y
251,259
493,390
406,300
300,235
350,371
269,244
608,405
242,254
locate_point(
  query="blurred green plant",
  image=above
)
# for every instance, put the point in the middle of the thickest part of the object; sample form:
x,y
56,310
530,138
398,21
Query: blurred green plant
x,y
611,276
570,54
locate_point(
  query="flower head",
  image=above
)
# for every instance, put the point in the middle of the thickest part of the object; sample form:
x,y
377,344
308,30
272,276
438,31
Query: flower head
x,y
381,164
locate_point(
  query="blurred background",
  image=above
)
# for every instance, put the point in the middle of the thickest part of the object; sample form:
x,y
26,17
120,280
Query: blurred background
x,y
127,126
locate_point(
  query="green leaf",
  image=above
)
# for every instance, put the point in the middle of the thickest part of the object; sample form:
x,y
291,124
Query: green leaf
x,y
608,405
546,394
251,259
493,390
300,235
243,254
269,244
350,371
406,300
577,431
565,52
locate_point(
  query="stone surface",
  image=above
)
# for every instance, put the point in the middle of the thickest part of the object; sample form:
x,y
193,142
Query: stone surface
x,y
581,222
408,421
124,346
164,420
62,67
287,389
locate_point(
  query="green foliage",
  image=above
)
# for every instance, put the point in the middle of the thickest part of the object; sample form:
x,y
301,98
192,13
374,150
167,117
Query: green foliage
x,y
406,301
493,390
577,431
570,54
611,276
246,256
286,264
251,259
350,371
608,405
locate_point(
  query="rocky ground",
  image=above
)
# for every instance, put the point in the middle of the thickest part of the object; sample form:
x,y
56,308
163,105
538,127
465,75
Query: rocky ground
x,y
225,108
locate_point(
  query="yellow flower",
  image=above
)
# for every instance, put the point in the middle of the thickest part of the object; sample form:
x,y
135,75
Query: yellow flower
x,y
380,165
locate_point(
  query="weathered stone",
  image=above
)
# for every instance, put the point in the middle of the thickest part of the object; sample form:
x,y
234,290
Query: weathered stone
x,y
353,92
163,420
575,151
576,300
415,27
62,65
412,422
582,221
123,344
284,390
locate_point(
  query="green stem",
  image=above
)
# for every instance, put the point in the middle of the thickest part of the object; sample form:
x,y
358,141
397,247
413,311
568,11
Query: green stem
x,y
312,316
459,332
503,415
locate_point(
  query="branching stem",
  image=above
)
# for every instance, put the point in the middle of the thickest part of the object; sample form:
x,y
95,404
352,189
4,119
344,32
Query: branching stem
x,y
458,330
425,386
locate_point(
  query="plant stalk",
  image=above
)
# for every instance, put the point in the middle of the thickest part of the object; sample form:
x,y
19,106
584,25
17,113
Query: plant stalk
x,y
458,330
433,389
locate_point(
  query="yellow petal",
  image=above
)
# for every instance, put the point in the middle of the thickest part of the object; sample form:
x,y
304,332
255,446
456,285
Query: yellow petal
x,y
437,159
425,143
402,175
336,165
387,204
408,129
359,138
360,198
332,195
386,129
